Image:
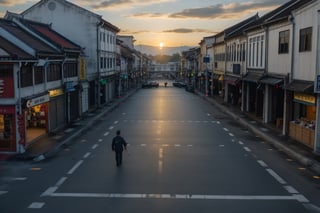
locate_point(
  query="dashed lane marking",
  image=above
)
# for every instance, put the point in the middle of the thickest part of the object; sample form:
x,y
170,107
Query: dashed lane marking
x,y
106,134
73,169
276,176
262,163
231,135
87,155
19,178
116,122
94,146
61,181
3,192
291,190
111,127
247,149
36,205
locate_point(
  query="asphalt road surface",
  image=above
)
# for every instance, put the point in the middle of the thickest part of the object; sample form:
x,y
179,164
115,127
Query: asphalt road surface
x,y
183,156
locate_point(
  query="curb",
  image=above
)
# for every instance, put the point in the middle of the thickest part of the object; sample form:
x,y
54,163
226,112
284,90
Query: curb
x,y
307,162
68,140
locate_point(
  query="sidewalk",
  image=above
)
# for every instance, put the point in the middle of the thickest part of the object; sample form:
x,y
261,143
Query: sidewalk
x,y
48,145
292,148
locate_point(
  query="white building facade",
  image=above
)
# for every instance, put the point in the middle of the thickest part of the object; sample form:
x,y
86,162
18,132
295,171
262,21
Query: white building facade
x,y
96,36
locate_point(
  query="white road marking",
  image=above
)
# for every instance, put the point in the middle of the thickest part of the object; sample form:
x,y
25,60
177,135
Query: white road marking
x,y
225,129
262,163
230,134
240,142
49,191
19,178
291,190
73,169
100,140
61,181
106,134
276,176
218,122
111,127
94,146
143,144
221,145
297,197
36,205
87,155
3,192
116,122
165,145
177,145
247,149
190,145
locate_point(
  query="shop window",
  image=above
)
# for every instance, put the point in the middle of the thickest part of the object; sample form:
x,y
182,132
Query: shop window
x,y
6,130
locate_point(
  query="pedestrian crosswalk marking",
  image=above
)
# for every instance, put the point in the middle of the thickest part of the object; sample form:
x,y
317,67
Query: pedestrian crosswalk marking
x,y
173,121
296,197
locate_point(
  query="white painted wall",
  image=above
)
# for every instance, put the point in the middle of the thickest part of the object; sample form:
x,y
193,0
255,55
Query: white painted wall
x,y
279,63
74,23
305,62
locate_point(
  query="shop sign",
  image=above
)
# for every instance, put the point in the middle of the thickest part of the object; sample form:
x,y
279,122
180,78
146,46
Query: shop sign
x,y
69,86
82,69
55,92
6,88
305,98
38,100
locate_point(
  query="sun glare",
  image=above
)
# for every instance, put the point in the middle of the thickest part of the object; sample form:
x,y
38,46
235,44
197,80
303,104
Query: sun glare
x,y
161,45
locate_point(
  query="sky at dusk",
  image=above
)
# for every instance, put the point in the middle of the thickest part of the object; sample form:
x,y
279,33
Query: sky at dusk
x,y
171,22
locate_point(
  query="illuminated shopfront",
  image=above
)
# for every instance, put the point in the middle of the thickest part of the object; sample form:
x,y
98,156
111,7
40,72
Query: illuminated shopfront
x,y
7,128
36,117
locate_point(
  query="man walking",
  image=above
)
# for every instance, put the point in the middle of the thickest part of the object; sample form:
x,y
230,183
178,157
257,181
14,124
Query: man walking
x,y
118,144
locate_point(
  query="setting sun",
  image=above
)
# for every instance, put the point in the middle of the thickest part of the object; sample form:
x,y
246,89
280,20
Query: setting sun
x,y
161,44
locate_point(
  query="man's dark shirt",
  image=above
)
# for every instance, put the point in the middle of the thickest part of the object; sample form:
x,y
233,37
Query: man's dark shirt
x,y
118,143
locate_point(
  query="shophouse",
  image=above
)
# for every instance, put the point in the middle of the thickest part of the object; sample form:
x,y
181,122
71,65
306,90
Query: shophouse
x,y
205,65
301,99
235,61
190,66
219,51
279,33
39,76
125,62
263,87
96,36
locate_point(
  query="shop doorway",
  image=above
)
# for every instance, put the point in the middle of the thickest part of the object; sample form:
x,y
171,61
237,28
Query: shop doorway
x,y
36,122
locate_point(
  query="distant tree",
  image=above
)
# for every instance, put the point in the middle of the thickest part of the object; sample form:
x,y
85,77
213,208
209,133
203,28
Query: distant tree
x,y
164,59
175,57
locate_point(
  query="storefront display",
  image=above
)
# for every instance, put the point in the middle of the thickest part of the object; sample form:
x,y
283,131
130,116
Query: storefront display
x,y
7,128
302,128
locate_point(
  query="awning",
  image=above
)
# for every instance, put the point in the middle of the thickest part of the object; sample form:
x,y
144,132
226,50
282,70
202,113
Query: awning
x,y
300,86
271,81
231,80
253,77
